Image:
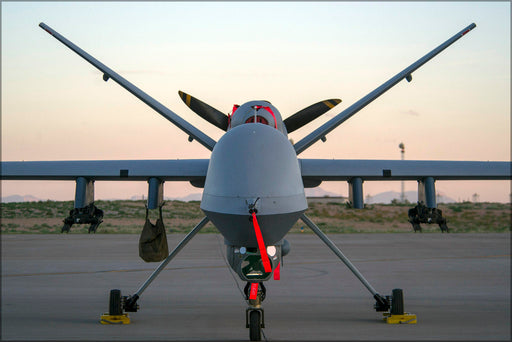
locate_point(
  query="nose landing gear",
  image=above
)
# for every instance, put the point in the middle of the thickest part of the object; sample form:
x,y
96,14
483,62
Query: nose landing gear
x,y
254,314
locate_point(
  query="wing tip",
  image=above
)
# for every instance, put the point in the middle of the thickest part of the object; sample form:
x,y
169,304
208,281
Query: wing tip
x,y
45,27
469,28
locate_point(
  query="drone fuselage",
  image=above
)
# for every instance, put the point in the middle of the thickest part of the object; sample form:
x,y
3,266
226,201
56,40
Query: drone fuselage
x,y
253,166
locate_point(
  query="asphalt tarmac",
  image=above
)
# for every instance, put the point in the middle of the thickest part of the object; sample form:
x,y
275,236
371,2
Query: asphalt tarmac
x,y
55,287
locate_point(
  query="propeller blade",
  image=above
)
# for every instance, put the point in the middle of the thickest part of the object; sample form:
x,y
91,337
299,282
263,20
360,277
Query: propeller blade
x,y
207,112
309,114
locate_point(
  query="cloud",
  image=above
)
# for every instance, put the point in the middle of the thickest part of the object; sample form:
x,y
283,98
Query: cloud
x,y
411,112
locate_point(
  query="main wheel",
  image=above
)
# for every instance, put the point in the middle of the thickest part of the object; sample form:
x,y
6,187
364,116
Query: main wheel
x,y
255,325
114,308
397,303
65,228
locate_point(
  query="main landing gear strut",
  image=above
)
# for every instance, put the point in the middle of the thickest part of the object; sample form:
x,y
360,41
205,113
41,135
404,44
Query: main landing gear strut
x,y
129,303
383,303
255,291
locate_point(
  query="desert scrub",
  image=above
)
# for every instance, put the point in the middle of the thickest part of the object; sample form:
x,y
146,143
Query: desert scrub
x,y
180,217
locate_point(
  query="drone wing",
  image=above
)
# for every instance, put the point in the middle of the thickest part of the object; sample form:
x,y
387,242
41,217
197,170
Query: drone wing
x,y
108,73
314,171
192,170
323,130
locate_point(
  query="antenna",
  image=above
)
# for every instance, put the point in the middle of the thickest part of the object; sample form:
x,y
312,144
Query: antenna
x,y
402,153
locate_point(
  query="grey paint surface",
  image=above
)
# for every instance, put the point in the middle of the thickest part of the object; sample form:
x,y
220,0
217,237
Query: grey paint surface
x,y
253,163
137,170
335,170
313,169
247,111
55,287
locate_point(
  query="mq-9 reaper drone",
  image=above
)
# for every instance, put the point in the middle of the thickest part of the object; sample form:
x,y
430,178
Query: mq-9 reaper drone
x,y
253,182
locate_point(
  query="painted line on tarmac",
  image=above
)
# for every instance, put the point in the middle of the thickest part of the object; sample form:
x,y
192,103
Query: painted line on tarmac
x,y
334,261
106,271
355,260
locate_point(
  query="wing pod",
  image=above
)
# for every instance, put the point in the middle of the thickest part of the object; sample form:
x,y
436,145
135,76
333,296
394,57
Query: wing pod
x,y
207,112
108,73
320,132
308,114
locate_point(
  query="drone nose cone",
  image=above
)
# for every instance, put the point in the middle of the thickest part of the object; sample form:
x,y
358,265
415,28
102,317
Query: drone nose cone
x,y
253,164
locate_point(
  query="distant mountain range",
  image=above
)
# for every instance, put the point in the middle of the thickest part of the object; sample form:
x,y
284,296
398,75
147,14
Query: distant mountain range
x,y
319,192
18,198
411,196
191,197
383,197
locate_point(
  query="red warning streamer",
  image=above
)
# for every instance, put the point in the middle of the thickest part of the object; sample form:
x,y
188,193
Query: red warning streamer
x,y
235,107
277,272
261,244
271,112
253,294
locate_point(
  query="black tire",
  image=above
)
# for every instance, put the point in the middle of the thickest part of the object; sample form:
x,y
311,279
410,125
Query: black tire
x,y
397,303
115,308
93,227
255,325
416,227
65,228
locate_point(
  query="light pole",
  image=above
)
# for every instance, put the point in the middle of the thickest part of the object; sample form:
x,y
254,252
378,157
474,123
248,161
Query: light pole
x,y
402,152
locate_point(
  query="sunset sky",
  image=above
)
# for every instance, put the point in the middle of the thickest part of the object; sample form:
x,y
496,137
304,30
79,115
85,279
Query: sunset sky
x,y
55,106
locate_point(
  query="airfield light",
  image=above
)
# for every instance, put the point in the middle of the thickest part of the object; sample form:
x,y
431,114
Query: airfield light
x,y
401,146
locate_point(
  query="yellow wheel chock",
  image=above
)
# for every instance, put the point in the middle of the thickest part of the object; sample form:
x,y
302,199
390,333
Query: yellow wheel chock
x,y
114,319
406,318
396,314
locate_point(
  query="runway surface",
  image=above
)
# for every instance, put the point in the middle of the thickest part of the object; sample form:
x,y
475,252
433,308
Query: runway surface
x,y
55,287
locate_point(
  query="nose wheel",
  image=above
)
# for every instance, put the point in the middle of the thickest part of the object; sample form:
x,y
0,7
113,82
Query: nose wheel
x,y
255,323
254,314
